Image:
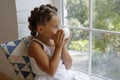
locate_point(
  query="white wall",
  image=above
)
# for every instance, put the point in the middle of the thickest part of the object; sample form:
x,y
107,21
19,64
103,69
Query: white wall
x,y
58,4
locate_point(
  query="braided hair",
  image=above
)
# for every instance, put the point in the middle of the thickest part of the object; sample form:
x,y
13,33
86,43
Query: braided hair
x,y
40,16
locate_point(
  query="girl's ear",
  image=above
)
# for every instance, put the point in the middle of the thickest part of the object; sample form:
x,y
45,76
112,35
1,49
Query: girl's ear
x,y
39,29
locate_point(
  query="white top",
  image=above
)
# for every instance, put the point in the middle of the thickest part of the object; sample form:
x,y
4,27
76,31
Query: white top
x,y
61,73
61,70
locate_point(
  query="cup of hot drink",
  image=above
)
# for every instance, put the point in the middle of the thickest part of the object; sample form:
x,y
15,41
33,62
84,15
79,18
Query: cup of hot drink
x,y
67,32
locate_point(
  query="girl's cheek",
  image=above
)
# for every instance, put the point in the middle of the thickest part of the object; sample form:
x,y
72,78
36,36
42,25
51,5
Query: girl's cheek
x,y
55,31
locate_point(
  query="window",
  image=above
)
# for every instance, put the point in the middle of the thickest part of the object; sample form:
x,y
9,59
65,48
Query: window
x,y
95,45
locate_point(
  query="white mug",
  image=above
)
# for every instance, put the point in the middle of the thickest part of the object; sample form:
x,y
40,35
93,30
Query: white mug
x,y
66,31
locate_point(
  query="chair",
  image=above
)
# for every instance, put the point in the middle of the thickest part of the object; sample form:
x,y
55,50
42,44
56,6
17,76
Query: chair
x,y
16,53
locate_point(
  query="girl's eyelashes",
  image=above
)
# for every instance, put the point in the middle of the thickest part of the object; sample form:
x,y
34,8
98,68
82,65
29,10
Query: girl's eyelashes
x,y
56,27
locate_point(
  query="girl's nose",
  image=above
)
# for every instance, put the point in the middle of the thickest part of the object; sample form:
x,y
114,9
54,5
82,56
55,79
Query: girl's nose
x,y
59,28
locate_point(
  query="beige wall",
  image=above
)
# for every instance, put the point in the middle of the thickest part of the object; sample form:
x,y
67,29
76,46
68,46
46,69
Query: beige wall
x,y
8,21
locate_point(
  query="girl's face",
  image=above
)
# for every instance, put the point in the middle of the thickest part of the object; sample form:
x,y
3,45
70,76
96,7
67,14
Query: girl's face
x,y
51,28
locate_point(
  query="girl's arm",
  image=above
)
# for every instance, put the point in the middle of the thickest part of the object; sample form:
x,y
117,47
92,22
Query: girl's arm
x,y
67,60
47,65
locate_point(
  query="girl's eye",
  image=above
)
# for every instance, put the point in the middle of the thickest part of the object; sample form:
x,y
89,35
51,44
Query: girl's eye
x,y
55,27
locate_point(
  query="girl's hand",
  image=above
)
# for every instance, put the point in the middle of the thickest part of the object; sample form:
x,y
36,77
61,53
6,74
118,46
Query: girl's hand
x,y
67,39
59,38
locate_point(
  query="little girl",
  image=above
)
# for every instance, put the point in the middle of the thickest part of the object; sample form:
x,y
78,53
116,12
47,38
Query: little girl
x,y
50,59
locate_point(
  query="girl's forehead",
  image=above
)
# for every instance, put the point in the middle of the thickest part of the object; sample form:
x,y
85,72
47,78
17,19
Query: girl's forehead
x,y
54,20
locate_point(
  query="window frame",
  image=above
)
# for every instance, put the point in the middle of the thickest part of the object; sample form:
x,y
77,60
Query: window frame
x,y
90,30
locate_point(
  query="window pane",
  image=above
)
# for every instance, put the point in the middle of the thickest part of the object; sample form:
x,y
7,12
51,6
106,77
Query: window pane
x,y
106,14
76,13
78,48
106,55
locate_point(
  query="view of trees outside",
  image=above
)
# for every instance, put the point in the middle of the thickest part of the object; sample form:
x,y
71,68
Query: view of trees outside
x,y
105,43
77,16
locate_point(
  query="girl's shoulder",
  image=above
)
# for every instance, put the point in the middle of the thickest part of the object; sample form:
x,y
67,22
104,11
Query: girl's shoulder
x,y
35,42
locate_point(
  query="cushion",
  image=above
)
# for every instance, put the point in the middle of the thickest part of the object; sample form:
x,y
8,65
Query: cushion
x,y
16,53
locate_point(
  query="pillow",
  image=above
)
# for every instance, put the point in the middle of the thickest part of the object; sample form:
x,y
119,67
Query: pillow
x,y
16,53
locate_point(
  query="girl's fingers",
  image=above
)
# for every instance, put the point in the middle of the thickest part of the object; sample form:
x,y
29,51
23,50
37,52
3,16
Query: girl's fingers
x,y
59,36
